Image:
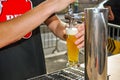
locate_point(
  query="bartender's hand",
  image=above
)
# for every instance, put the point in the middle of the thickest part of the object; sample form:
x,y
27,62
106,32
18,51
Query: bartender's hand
x,y
59,5
80,35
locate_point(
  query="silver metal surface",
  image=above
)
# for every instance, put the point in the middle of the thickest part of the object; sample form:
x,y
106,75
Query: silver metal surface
x,y
95,44
70,73
74,13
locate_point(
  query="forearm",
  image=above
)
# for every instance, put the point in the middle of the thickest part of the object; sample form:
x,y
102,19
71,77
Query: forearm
x,y
58,28
13,30
60,31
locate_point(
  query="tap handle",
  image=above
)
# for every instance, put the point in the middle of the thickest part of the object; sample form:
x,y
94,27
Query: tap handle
x,y
70,10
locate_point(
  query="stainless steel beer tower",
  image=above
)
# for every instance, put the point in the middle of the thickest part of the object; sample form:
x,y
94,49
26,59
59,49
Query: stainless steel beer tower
x,y
95,43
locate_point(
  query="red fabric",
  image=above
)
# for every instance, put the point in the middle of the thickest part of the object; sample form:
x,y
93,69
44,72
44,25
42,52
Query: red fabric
x,y
13,8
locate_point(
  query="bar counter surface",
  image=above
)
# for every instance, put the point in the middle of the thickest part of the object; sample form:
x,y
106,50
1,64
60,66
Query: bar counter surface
x,y
114,67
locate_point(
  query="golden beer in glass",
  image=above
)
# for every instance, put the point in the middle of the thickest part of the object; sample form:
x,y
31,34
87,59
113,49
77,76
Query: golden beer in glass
x,y
72,50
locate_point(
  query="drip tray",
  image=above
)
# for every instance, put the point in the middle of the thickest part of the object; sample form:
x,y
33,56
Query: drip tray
x,y
70,73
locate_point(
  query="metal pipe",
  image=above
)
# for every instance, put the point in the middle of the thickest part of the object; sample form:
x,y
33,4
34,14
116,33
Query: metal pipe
x,y
95,44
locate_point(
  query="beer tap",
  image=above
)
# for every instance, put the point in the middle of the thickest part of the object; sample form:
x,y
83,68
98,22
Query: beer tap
x,y
69,14
73,15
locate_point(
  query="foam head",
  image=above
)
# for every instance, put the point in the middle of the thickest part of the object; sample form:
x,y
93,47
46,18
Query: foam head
x,y
71,31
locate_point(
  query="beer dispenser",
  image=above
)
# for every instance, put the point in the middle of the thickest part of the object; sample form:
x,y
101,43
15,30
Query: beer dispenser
x,y
95,41
74,14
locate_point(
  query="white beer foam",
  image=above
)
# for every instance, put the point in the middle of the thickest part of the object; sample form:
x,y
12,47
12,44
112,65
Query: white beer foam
x,y
71,31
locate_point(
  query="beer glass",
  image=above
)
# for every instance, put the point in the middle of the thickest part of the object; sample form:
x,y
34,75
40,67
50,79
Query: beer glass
x,y
72,50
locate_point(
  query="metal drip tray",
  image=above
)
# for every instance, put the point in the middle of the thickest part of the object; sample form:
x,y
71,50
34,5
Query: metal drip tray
x,y
70,73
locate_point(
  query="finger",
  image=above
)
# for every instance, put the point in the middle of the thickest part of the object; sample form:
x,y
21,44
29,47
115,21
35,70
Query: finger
x,y
80,40
80,45
80,27
80,33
